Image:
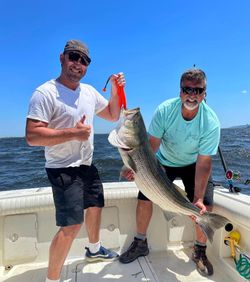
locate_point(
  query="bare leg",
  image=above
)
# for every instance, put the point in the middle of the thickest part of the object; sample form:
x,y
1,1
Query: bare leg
x,y
200,236
203,265
93,223
144,213
59,249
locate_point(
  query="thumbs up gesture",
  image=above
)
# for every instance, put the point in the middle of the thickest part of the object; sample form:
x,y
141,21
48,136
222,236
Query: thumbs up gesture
x,y
82,130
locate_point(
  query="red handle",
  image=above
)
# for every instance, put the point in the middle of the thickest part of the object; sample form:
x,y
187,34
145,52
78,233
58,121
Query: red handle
x,y
120,92
122,96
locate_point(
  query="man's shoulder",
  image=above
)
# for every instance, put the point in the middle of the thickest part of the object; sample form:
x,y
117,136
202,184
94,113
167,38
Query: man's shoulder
x,y
88,89
86,86
89,92
169,104
47,86
210,113
210,119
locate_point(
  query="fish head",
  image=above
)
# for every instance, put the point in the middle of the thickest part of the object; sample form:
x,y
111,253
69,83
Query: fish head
x,y
130,132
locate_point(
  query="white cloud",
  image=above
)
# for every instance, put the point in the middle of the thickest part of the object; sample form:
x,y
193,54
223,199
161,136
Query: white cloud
x,y
244,91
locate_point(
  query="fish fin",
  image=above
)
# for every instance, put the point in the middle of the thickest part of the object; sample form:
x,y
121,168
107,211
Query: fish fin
x,y
207,230
115,141
169,215
210,222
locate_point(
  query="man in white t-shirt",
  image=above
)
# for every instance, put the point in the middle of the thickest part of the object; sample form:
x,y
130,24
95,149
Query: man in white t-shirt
x,y
60,117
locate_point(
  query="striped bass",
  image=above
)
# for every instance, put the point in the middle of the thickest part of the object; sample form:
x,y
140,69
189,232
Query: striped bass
x,y
131,139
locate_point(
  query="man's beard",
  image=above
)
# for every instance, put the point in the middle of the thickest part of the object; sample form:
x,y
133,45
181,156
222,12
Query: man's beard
x,y
74,76
191,105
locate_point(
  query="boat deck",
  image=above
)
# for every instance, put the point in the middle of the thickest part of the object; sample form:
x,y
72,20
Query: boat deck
x,y
174,265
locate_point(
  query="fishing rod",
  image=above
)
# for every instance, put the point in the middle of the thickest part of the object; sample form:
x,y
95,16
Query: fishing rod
x,y
229,174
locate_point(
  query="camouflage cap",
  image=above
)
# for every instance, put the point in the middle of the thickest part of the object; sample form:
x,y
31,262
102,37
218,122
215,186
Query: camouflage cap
x,y
76,45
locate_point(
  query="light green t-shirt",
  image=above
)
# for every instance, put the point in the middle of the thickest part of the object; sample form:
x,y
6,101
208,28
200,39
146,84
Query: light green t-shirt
x,y
181,140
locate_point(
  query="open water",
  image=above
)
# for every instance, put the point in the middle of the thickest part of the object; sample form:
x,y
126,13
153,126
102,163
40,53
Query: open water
x,y
22,166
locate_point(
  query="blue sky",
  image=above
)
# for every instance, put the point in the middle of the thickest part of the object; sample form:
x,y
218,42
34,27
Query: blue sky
x,y
152,42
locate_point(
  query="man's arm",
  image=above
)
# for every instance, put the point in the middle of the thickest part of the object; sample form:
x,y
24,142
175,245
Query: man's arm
x,y
38,133
112,111
202,173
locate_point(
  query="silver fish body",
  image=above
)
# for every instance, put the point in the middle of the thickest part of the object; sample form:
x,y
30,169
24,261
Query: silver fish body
x,y
131,139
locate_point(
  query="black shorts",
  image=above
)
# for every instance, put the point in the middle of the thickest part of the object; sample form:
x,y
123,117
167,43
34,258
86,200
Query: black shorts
x,y
187,175
75,189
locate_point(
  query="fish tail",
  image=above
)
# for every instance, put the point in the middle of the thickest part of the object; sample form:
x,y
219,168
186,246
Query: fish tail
x,y
210,222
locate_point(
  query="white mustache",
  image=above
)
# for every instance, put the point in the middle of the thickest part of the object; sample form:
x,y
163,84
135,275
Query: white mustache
x,y
191,100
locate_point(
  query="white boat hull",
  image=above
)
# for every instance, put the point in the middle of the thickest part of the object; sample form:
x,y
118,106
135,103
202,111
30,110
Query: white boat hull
x,y
28,226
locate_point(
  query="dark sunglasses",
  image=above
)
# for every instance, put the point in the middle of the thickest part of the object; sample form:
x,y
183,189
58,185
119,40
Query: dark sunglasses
x,y
191,90
74,57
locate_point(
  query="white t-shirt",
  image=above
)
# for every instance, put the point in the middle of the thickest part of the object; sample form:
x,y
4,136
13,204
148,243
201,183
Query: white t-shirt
x,y
62,108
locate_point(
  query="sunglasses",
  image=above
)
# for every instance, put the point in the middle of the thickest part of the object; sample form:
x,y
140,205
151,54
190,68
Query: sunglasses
x,y
191,90
74,57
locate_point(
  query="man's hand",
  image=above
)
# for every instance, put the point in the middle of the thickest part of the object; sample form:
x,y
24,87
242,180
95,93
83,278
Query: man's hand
x,y
127,173
118,78
82,130
200,205
113,110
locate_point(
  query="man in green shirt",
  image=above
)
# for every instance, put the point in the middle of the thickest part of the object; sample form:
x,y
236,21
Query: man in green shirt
x,y
184,133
